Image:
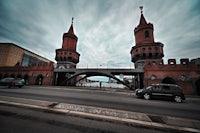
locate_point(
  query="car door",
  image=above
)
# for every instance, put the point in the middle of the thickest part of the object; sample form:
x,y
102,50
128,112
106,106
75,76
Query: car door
x,y
157,90
167,90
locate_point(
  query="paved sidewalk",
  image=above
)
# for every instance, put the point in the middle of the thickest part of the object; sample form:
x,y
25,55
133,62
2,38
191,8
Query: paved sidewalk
x,y
166,123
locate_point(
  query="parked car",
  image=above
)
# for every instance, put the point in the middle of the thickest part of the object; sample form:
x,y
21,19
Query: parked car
x,y
162,91
12,82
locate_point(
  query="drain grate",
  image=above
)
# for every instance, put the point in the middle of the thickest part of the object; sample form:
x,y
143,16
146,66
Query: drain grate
x,y
157,119
53,105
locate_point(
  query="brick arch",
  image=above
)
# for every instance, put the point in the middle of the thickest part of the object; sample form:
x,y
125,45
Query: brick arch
x,y
5,75
168,80
197,84
19,76
12,75
90,74
26,78
39,80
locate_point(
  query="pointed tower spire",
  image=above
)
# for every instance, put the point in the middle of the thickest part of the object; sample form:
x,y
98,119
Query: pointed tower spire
x,y
67,56
142,19
145,48
141,8
72,20
71,29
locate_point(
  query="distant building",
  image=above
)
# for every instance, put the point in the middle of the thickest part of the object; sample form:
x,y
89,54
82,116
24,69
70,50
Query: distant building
x,y
18,62
12,54
147,55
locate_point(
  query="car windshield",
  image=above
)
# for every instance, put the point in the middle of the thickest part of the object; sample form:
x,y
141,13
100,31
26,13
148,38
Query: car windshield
x,y
149,87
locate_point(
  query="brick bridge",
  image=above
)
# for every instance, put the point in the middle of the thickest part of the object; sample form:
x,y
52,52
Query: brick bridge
x,y
65,76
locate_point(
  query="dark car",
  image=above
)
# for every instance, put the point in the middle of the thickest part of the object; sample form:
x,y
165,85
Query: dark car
x,y
162,91
12,82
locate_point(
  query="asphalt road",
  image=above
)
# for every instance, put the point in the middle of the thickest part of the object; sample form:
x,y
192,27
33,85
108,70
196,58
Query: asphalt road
x,y
108,99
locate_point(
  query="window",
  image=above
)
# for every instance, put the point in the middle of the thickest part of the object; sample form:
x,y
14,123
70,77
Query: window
x,y
28,60
150,55
154,62
156,55
146,34
69,58
166,87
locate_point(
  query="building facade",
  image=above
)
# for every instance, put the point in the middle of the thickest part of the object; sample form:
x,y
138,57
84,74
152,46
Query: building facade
x,y
18,62
12,54
147,55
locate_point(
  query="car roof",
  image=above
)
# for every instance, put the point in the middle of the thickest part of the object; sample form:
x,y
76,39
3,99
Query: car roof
x,y
165,85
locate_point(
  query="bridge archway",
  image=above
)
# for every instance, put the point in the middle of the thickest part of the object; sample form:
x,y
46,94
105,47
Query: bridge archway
x,y
168,80
90,74
67,77
197,83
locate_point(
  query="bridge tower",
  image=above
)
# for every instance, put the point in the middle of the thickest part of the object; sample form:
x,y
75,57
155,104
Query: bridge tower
x,y
145,47
67,56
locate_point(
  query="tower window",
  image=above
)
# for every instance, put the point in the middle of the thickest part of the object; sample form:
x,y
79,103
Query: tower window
x,y
150,55
146,34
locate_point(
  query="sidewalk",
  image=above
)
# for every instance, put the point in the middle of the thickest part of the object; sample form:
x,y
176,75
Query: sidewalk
x,y
165,123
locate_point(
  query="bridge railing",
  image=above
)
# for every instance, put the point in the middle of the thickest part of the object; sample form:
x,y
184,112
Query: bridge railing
x,y
106,66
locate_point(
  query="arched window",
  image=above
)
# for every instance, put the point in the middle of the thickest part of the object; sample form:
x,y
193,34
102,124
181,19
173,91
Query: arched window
x,y
146,34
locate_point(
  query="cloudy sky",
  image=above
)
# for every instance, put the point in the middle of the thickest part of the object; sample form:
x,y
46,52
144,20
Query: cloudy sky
x,y
104,27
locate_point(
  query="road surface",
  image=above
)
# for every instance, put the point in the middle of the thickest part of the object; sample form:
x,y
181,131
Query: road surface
x,y
38,120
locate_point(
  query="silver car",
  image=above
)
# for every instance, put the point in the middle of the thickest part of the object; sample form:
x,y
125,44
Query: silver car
x,y
12,82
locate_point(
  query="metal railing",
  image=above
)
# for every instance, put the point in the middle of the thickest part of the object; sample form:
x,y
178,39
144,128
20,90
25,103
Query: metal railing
x,y
106,66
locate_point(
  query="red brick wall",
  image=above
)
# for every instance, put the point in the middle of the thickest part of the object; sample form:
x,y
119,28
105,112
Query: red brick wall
x,y
184,75
44,69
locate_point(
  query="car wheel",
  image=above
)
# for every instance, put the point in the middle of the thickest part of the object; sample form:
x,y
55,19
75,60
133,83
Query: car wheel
x,y
178,99
146,96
